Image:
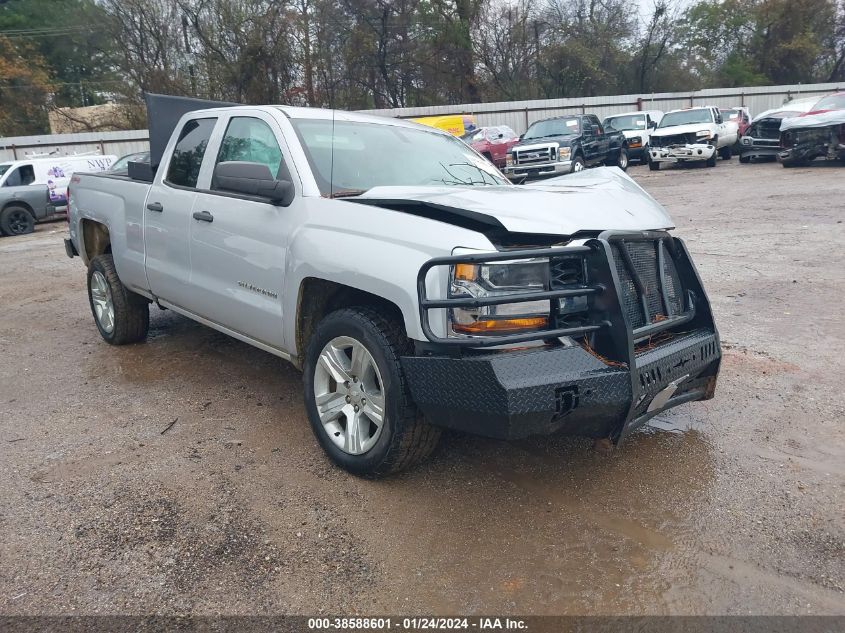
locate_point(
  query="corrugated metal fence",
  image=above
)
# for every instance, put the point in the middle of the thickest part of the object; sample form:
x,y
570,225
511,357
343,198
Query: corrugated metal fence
x,y
117,143
520,114
516,114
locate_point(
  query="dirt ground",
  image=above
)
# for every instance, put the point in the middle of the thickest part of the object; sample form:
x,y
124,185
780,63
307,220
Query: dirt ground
x,y
732,506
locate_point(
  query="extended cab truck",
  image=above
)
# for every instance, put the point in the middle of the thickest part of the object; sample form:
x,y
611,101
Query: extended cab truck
x,y
33,189
692,135
565,145
414,286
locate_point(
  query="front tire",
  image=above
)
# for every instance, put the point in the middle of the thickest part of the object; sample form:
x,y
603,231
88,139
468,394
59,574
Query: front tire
x,y
654,165
744,159
121,316
16,220
711,162
357,398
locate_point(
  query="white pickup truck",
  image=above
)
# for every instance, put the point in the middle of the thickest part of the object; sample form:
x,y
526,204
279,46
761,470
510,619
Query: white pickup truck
x,y
692,135
410,281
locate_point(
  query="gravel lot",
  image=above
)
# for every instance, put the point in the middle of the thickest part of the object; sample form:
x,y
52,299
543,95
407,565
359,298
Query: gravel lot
x,y
731,506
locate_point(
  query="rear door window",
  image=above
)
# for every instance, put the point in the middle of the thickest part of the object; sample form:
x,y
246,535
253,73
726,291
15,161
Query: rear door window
x,y
184,168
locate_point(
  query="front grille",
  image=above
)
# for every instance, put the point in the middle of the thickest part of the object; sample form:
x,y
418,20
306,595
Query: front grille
x,y
534,156
658,302
567,271
673,139
564,273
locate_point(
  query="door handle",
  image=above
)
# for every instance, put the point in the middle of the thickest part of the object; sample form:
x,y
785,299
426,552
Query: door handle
x,y
155,206
203,216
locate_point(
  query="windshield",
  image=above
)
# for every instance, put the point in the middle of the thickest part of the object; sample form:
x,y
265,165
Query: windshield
x,y
629,122
684,117
831,102
553,127
368,155
4,167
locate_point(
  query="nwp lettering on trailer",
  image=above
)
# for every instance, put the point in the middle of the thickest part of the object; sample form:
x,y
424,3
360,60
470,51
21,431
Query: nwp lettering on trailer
x,y
99,163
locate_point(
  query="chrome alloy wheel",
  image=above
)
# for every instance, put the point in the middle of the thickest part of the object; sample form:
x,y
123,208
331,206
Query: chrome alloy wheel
x,y
579,166
349,394
102,300
623,161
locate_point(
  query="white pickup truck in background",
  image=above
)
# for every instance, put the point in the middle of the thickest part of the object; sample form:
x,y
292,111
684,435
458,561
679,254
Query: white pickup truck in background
x,y
691,135
410,281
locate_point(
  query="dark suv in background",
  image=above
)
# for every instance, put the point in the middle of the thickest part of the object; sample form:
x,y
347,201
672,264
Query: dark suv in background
x,y
564,145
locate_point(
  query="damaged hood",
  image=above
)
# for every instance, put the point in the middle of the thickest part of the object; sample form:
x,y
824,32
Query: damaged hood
x,y
814,119
593,200
682,129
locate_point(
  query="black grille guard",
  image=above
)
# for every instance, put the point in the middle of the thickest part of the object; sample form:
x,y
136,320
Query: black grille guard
x,y
613,335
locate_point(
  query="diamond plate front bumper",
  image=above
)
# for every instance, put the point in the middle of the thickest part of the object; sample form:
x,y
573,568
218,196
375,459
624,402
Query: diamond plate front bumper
x,y
510,395
514,393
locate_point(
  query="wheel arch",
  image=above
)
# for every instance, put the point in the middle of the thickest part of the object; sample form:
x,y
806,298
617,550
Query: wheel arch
x,y
318,297
20,203
95,239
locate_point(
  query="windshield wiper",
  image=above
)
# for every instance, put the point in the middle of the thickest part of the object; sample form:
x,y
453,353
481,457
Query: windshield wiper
x,y
470,182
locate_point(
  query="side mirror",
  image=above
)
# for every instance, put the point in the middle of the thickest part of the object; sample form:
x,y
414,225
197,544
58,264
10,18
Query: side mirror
x,y
595,130
252,179
521,136
652,125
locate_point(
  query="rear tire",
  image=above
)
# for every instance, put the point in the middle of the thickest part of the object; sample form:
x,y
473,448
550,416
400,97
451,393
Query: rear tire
x,y
121,316
621,161
726,152
16,220
345,424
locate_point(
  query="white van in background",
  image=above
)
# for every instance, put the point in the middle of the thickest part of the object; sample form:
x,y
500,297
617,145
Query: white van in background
x,y
31,189
637,127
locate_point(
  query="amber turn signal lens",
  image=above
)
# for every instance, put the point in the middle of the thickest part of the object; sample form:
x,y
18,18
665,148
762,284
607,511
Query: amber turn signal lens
x,y
501,326
467,272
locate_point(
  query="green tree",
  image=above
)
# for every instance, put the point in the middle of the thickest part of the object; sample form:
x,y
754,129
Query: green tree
x,y
70,38
24,90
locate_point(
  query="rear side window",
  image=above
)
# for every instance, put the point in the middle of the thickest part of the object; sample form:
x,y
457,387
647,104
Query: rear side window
x,y
251,140
23,175
184,169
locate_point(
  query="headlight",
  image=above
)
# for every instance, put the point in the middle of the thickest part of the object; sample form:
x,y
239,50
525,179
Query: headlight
x,y
499,279
635,140
563,153
703,134
746,140
509,160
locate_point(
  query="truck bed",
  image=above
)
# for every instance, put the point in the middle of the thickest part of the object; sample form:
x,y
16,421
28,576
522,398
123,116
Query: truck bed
x,y
118,202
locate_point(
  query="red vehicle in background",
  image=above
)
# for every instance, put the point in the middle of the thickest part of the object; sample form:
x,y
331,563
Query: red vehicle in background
x,y
739,115
492,142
